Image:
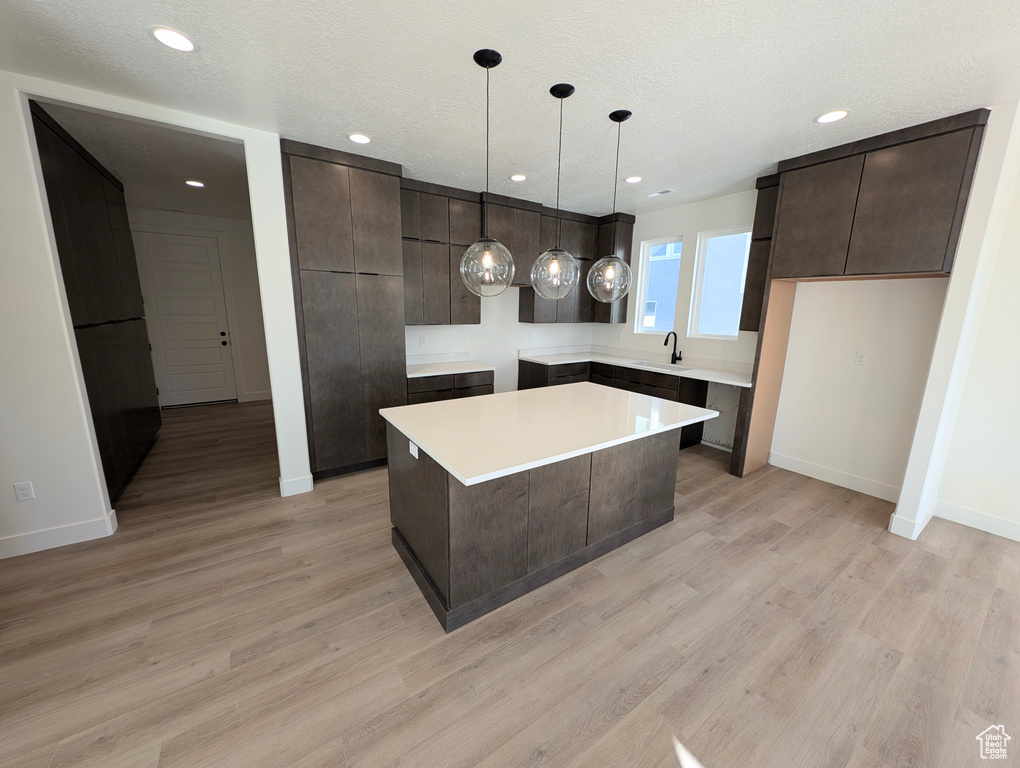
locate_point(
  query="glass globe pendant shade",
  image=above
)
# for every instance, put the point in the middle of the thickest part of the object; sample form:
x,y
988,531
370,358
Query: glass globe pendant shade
x,y
487,268
609,279
555,274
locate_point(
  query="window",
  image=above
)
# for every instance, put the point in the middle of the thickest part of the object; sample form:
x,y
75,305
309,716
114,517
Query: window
x,y
660,279
719,282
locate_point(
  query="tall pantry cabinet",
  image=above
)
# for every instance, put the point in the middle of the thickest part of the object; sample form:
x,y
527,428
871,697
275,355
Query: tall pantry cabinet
x,y
344,222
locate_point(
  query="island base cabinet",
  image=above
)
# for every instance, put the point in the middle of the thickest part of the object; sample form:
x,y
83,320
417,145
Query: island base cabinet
x,y
472,549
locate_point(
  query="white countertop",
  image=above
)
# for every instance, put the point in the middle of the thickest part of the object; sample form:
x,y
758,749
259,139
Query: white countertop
x,y
445,369
705,374
482,438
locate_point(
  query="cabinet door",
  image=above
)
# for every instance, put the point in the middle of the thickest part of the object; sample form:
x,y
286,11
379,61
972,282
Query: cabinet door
x,y
465,307
435,261
907,206
585,302
101,278
435,218
410,214
383,361
526,250
329,303
615,481
321,196
816,213
532,308
557,511
692,392
465,222
124,248
615,312
375,220
414,297
754,284
499,224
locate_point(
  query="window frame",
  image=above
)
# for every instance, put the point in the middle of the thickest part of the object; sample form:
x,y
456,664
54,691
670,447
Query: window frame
x,y
699,273
644,266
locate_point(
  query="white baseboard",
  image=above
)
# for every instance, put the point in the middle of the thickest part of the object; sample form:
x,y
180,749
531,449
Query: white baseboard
x,y
295,485
36,541
1008,529
836,477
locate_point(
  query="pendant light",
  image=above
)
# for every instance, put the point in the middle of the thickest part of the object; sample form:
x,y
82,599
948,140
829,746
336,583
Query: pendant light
x,y
610,277
487,268
555,273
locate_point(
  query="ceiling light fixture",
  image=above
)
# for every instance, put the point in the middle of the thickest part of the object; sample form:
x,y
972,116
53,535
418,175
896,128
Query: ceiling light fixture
x,y
831,117
609,278
518,177
171,38
555,273
632,179
487,268
193,183
359,138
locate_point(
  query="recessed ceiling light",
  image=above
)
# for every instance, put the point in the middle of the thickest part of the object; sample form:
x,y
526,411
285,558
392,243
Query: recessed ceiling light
x,y
193,183
831,117
632,179
171,38
518,177
359,138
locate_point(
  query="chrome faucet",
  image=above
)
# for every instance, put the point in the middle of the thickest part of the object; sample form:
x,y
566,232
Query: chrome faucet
x,y
676,357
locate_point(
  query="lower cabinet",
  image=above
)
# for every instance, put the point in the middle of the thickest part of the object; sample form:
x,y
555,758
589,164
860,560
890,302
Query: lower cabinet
x,y
430,389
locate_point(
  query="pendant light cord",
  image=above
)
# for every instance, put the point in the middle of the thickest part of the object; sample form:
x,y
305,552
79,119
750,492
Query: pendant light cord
x,y
616,184
559,160
485,216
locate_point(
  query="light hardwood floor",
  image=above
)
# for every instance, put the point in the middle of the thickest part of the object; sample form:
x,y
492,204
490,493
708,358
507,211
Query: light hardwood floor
x,y
774,623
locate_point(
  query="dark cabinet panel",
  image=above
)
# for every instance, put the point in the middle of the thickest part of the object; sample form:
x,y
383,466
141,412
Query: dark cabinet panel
x,y
410,214
139,403
485,389
603,369
531,375
435,218
430,383
333,359
605,381
567,308
615,477
526,244
488,526
432,396
323,232
435,260
816,213
765,213
499,224
585,303
692,392
414,297
652,378
754,284
616,312
907,205
465,307
465,222
383,362
578,238
474,379
130,298
532,308
99,271
569,369
658,473
558,511
375,220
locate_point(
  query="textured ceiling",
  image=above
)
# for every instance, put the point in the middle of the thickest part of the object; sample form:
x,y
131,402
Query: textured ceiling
x,y
720,90
152,162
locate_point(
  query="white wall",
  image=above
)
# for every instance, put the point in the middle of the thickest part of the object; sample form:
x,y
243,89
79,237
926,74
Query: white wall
x,y
46,434
981,481
847,424
240,287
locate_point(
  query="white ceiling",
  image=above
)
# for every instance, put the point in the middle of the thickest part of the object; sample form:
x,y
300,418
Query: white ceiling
x,y
152,162
720,90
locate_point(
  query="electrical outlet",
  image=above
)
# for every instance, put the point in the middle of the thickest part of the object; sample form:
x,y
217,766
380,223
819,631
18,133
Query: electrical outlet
x,y
412,448
421,341
24,491
861,358
619,335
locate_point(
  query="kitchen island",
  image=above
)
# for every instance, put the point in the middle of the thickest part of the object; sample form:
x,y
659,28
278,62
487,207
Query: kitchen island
x,y
493,496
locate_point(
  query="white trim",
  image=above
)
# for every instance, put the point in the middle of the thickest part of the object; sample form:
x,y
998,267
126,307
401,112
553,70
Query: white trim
x,y
295,485
642,283
73,533
693,316
836,477
1008,529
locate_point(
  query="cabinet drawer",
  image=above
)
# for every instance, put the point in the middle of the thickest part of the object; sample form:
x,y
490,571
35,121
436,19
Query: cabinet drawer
x,y
473,379
603,369
568,369
647,389
485,389
652,378
571,379
414,398
430,383
606,381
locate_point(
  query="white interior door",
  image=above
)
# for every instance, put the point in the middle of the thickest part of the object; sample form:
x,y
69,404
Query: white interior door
x,y
187,317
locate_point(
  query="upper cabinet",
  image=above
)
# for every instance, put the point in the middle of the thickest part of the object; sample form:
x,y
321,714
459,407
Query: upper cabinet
x,y
375,222
891,204
322,214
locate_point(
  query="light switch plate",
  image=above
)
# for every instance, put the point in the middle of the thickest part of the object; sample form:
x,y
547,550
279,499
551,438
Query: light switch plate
x,y
412,448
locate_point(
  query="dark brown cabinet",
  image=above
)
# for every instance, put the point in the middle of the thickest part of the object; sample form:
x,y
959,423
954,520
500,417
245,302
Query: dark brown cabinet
x,y
765,211
435,261
754,284
430,389
526,244
435,218
383,362
816,214
615,234
465,222
499,225
906,209
375,222
414,296
321,200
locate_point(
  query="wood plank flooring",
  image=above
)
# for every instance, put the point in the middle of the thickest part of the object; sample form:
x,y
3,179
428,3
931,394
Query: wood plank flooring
x,y
774,623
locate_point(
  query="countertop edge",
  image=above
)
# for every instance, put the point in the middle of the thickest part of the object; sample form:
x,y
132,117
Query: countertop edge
x,y
717,376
